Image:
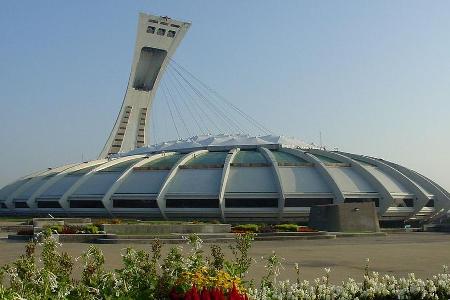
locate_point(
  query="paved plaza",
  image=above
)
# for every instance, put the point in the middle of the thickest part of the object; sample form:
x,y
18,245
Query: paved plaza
x,y
395,254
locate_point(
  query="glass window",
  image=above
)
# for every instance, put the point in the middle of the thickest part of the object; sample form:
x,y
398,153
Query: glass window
x,y
359,200
48,204
251,202
161,31
171,33
408,202
134,203
86,204
192,203
20,205
150,29
307,202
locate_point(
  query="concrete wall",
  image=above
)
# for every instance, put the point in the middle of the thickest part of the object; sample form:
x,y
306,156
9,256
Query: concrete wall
x,y
41,222
345,217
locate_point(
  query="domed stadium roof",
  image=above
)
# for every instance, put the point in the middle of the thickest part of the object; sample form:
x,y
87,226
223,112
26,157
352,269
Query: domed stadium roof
x,y
229,178
221,141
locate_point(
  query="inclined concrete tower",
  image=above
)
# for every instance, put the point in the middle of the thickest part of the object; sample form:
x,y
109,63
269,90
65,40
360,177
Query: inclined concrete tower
x,y
157,40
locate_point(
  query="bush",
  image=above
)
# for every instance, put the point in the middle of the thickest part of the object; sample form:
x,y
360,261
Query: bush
x,y
92,229
286,227
245,228
196,222
144,275
100,222
266,228
70,229
74,229
55,228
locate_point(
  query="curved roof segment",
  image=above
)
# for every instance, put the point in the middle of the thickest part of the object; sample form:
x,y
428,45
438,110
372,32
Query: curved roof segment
x,y
228,177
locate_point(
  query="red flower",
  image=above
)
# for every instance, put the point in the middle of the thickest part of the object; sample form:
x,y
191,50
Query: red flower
x,y
205,295
192,294
212,294
235,295
217,294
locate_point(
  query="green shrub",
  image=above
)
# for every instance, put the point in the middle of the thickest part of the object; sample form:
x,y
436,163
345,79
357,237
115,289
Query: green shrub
x,y
100,222
57,228
246,228
286,227
91,229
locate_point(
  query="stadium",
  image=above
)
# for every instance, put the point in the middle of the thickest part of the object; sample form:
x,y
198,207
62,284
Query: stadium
x,y
227,177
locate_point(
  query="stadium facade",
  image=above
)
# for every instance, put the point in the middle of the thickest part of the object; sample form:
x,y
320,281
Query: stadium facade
x,y
224,177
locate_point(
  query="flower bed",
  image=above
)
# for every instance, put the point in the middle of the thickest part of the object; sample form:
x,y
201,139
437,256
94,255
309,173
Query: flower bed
x,y
74,229
245,228
194,276
264,228
373,287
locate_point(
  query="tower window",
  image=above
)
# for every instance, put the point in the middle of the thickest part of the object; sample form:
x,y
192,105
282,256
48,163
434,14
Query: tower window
x,y
171,33
161,31
150,29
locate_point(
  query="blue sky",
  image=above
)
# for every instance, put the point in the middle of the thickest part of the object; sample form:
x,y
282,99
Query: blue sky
x,y
372,76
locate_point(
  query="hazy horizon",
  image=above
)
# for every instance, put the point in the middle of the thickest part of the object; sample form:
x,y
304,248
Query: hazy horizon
x,y
372,77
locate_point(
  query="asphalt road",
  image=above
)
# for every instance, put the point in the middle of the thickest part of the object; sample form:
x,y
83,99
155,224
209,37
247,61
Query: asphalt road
x,y
398,254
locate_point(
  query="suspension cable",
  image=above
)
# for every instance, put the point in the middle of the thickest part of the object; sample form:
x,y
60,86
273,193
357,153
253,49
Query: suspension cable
x,y
176,108
246,116
171,114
